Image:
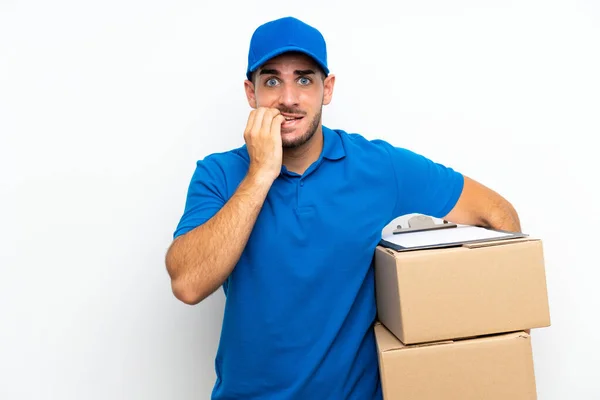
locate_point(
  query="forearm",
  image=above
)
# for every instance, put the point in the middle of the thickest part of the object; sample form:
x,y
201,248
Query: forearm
x,y
200,261
481,206
503,216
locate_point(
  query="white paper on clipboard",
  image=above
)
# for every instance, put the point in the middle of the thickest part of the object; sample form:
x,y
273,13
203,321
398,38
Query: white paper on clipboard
x,y
444,237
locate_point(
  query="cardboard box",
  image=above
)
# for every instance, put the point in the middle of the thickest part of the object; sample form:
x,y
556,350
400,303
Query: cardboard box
x,y
498,367
458,292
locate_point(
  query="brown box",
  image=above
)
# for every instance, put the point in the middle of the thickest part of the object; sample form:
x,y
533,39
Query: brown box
x,y
458,292
497,367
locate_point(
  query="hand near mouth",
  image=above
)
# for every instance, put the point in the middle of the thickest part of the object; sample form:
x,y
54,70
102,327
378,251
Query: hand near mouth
x,y
263,140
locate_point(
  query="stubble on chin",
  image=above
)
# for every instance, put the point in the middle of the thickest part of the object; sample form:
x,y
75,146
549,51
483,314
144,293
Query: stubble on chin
x,y
297,142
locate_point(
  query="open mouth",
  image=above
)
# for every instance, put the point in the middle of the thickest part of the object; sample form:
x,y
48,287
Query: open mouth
x,y
292,117
291,120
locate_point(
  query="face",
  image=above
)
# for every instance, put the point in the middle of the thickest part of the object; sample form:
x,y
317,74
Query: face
x,y
294,84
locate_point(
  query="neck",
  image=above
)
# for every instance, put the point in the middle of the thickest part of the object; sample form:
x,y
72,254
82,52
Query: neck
x,y
299,159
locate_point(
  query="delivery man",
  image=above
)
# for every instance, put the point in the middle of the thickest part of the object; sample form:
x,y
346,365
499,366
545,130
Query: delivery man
x,y
287,225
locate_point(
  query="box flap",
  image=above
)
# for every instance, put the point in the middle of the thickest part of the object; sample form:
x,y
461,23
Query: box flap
x,y
386,340
497,242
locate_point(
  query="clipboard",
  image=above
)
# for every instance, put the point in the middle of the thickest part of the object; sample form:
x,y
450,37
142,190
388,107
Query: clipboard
x,y
422,233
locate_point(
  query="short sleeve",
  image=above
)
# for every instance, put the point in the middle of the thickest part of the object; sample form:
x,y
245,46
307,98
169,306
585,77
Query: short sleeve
x,y
205,196
424,186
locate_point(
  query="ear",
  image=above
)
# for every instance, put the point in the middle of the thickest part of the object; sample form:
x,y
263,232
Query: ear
x,y
250,95
328,84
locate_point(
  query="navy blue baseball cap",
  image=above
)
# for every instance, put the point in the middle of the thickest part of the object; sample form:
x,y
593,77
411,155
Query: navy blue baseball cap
x,y
281,36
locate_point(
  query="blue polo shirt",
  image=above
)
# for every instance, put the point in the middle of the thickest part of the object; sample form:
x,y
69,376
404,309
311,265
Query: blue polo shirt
x,y
300,303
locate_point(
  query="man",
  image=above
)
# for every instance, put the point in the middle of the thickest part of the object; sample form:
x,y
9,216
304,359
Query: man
x,y
288,225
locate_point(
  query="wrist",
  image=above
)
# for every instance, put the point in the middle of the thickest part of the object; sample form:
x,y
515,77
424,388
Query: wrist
x,y
261,177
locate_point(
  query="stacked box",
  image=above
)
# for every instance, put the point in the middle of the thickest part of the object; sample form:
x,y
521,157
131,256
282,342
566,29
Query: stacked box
x,y
453,320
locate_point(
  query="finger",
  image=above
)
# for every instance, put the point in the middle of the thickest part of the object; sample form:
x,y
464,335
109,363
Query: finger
x,y
273,112
275,127
258,120
250,122
268,118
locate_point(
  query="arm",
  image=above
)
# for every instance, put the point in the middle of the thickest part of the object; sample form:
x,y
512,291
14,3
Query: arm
x,y
430,188
199,261
481,206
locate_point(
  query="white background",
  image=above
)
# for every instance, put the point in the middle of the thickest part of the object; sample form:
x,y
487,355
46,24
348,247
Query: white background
x,y
105,107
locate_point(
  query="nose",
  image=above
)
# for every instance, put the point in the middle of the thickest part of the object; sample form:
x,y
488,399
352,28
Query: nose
x,y
289,96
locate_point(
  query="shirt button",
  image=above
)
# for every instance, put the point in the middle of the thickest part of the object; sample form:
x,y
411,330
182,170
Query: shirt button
x,y
301,183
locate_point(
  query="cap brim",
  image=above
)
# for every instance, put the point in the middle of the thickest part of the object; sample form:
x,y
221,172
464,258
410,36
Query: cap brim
x,y
280,51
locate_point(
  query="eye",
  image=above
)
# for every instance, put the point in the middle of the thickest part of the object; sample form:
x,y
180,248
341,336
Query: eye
x,y
304,81
271,82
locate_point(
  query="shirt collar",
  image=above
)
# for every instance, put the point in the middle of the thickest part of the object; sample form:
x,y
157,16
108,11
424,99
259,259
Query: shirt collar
x,y
333,148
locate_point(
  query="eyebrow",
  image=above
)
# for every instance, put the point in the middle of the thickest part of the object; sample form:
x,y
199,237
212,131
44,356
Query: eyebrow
x,y
296,72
